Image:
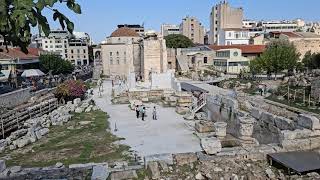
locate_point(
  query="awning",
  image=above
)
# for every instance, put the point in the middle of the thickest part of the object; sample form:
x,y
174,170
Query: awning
x,y
32,73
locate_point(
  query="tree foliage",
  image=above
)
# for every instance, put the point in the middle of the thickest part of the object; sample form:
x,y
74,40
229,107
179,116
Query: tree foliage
x,y
311,60
178,41
55,64
280,55
18,16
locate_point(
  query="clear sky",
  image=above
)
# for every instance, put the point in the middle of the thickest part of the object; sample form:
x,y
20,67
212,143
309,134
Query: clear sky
x,y
100,17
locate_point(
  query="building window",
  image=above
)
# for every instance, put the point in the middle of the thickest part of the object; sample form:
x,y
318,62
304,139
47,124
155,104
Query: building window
x,y
230,34
46,42
110,53
111,61
205,60
119,39
84,57
51,46
78,51
125,58
72,57
118,60
193,60
46,46
117,53
71,51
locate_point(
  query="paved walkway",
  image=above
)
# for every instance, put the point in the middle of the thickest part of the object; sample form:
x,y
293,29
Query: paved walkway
x,y
169,134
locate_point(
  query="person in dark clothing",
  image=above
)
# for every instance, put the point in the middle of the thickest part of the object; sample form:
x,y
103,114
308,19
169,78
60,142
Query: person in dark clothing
x,y
137,111
143,112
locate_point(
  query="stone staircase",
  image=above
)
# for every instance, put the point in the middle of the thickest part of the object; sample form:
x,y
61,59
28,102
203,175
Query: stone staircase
x,y
196,106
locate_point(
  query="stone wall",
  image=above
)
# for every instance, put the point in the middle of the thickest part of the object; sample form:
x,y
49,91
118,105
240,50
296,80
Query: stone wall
x,y
162,80
15,98
222,109
315,89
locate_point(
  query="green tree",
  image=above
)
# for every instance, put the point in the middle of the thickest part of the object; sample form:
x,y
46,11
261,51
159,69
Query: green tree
x,y
255,66
307,60
55,64
178,41
280,55
311,60
18,16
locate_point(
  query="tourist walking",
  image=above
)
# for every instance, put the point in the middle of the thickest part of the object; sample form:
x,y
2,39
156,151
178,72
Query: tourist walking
x,y
143,113
154,113
137,111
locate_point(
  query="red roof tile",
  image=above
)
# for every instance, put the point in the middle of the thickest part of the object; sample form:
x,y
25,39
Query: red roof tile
x,y
17,53
291,34
124,32
246,49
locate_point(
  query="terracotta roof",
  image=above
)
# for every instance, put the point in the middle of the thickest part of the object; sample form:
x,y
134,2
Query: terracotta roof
x,y
17,53
4,56
124,32
246,49
291,34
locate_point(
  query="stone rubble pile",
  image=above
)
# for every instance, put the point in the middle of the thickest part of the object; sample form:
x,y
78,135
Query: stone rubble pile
x,y
34,129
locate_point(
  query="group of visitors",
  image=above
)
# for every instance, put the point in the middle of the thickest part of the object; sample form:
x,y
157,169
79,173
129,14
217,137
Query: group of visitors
x,y
141,111
262,89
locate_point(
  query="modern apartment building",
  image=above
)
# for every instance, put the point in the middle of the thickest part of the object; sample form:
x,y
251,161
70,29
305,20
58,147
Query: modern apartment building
x,y
224,16
193,29
167,29
281,26
72,47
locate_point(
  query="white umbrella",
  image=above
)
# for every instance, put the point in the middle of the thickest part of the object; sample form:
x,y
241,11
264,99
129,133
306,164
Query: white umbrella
x,y
32,73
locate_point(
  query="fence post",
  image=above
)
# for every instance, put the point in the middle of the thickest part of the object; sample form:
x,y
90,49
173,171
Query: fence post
x,y
288,93
309,99
304,95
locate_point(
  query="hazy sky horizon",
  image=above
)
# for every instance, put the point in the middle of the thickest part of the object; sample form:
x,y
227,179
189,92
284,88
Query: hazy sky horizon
x,y
100,18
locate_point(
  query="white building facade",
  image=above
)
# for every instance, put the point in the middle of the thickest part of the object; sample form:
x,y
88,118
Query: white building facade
x,y
72,47
233,37
230,61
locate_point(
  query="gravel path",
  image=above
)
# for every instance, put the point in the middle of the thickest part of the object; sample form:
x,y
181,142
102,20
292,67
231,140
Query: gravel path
x,y
169,134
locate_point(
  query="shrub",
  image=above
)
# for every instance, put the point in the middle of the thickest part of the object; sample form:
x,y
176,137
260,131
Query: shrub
x,y
71,89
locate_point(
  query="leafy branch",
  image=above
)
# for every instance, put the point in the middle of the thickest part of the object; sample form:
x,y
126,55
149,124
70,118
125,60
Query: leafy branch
x,y
18,16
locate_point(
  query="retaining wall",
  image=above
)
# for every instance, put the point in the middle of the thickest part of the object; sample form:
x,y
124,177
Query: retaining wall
x,y
15,98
